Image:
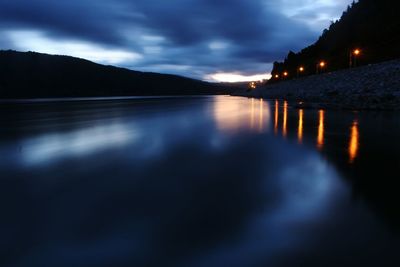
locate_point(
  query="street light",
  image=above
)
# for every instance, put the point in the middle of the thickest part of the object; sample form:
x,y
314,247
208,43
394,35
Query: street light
x,y
321,65
300,70
285,74
276,76
353,57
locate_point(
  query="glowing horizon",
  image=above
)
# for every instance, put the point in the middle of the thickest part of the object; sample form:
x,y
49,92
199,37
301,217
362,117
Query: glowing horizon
x,y
236,77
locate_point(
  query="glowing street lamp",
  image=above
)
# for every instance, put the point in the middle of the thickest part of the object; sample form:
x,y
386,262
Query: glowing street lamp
x,y
285,74
321,65
276,76
300,70
353,57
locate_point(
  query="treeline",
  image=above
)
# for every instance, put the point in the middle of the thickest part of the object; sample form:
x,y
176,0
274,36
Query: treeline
x,y
372,26
34,75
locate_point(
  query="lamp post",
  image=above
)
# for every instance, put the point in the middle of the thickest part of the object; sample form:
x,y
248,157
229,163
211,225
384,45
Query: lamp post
x,y
285,74
320,66
300,70
353,57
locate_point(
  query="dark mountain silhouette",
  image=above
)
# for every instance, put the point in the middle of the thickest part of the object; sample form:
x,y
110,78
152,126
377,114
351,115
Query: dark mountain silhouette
x,y
373,26
34,75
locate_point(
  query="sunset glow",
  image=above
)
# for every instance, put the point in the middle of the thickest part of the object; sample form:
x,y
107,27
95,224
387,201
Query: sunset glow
x,y
235,77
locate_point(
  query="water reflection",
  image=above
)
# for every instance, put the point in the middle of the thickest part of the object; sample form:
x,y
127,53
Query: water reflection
x,y
354,142
300,129
261,116
353,145
152,189
276,124
232,116
285,118
321,129
52,147
252,114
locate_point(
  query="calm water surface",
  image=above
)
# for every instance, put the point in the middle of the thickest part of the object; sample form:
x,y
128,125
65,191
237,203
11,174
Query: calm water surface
x,y
197,181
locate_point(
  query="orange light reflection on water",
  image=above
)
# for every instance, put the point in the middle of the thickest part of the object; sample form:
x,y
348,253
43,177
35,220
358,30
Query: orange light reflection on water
x,y
354,142
276,116
321,129
232,115
300,129
261,116
285,111
252,115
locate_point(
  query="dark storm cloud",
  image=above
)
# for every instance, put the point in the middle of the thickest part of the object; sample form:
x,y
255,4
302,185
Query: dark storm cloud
x,y
82,19
203,36
189,22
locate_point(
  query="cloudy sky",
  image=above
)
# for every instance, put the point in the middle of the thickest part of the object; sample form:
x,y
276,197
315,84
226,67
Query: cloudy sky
x,y
206,39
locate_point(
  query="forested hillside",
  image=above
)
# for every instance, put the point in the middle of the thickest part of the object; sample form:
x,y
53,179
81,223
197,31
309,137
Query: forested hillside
x,y
33,75
371,26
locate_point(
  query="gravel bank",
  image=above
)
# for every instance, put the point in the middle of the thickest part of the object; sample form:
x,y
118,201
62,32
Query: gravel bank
x,y
375,87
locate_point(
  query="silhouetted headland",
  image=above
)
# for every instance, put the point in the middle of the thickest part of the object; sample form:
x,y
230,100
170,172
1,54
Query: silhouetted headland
x,y
35,75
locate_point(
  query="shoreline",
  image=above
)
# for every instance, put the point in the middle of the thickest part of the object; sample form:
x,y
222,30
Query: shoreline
x,y
372,87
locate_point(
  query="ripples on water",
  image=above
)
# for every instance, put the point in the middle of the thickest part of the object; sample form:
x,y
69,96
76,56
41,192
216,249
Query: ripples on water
x,y
200,181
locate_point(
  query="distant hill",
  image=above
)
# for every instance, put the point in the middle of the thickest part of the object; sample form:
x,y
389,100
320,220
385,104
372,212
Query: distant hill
x,y
34,75
370,25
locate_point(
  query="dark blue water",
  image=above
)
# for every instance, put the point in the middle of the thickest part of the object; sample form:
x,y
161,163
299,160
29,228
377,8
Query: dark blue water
x,y
197,181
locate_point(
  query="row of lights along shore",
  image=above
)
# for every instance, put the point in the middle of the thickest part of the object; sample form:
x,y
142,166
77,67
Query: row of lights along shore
x,y
322,65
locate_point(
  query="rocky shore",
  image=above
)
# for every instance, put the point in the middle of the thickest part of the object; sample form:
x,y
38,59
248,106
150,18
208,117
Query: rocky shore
x,y
374,87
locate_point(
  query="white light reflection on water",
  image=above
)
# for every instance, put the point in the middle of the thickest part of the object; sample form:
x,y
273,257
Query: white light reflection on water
x,y
52,147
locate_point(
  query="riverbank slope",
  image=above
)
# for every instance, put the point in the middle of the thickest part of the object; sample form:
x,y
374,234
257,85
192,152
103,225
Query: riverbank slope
x,y
369,87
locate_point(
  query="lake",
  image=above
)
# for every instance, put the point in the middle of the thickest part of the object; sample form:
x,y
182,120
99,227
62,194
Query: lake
x,y
197,181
